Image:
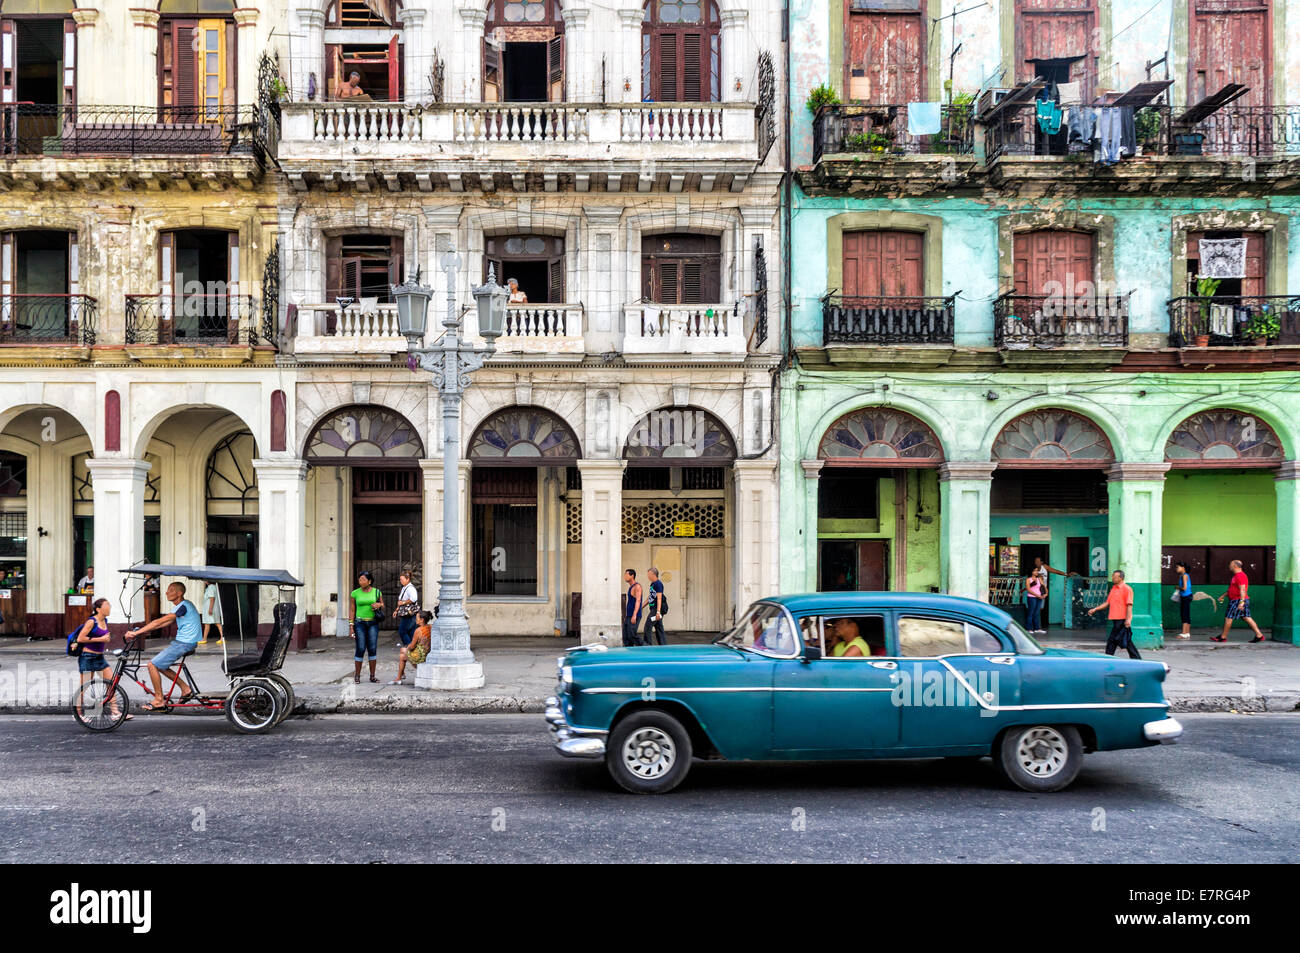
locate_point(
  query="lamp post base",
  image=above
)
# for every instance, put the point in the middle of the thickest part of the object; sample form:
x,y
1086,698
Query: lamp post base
x,y
450,677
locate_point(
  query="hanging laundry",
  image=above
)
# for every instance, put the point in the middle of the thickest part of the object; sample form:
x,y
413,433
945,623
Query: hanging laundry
x,y
1221,320
1071,93
1127,132
1082,124
1222,258
923,119
1049,117
1109,133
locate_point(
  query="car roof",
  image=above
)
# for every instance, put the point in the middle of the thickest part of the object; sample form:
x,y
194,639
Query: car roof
x,y
844,601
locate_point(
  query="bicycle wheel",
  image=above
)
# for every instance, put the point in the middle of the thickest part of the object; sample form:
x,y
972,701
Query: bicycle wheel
x,y
96,709
287,699
253,707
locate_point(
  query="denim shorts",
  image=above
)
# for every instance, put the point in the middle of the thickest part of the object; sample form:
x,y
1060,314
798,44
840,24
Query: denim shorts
x,y
91,662
172,654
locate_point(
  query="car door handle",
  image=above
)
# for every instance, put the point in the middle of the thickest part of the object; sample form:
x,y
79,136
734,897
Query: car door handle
x,y
889,665
1002,659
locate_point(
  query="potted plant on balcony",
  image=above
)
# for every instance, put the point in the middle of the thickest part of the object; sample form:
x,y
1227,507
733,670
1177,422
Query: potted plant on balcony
x,y
1147,128
1263,327
823,95
1205,290
867,142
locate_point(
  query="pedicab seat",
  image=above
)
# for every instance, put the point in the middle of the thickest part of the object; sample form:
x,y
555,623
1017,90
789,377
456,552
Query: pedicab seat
x,y
271,657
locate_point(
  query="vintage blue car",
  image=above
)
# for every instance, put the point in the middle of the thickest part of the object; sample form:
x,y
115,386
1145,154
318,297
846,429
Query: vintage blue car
x,y
856,676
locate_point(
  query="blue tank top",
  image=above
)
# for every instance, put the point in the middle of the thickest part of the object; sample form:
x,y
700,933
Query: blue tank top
x,y
633,613
1187,581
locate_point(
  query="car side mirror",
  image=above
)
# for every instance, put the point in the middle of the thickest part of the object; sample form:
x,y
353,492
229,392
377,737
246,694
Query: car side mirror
x,y
811,653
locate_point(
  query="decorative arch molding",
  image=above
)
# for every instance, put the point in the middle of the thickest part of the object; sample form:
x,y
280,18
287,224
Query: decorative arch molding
x,y
1278,420
363,435
1052,437
931,226
524,435
314,400
937,422
1101,226
880,437
1274,225
229,477
141,431
1224,437
671,436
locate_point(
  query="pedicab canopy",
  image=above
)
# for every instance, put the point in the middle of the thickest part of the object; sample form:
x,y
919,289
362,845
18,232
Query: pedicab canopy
x,y
260,577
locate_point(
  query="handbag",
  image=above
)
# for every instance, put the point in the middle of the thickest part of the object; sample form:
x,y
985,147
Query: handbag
x,y
405,611
379,614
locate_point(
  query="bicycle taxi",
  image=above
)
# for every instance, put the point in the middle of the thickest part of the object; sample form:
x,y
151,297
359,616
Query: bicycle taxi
x,y
256,698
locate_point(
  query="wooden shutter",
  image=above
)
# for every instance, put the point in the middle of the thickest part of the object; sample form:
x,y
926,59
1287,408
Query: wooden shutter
x,y
668,90
394,72
860,258
333,266
1230,46
884,263
1253,283
178,64
670,285
693,68
167,285
1047,256
555,281
492,78
333,70
555,68
1057,29
8,60
7,269
351,284
886,62
69,62
74,265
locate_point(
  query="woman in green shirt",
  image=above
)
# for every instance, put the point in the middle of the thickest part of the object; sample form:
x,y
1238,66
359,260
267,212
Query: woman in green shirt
x,y
365,628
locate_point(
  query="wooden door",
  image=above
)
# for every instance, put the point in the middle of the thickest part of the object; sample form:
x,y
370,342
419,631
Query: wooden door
x,y
668,560
1230,43
883,263
1050,256
681,71
705,596
873,564
1057,30
886,57
681,269
178,69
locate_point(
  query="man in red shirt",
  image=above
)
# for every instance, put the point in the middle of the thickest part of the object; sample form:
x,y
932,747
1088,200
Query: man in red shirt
x,y
1238,603
1119,609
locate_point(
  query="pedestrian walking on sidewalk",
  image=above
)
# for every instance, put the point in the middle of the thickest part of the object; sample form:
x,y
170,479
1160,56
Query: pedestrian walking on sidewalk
x,y
656,606
211,614
365,627
1119,610
408,604
1184,598
632,609
1238,596
1035,592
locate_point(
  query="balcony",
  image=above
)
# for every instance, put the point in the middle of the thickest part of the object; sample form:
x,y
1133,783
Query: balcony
x,y
467,145
668,332
89,142
352,331
1234,321
854,128
554,330
1029,325
887,320
193,321
46,320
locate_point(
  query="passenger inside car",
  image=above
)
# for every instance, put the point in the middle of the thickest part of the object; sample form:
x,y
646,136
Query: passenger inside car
x,y
846,640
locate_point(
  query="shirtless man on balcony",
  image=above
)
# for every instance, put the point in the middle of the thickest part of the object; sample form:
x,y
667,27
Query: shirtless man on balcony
x,y
352,88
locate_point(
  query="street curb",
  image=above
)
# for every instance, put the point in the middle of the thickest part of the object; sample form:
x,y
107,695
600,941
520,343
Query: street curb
x,y
1277,702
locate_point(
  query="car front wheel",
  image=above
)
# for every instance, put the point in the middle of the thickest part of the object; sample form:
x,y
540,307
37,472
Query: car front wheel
x,y
1040,758
649,753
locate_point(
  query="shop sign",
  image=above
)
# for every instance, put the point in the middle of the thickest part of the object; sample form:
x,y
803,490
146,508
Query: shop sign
x,y
683,528
1035,534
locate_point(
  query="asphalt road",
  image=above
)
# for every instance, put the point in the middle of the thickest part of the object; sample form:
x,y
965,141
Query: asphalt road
x,y
489,788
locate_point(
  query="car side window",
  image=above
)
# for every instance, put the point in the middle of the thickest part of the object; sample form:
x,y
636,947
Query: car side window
x,y
982,642
926,638
854,636
810,627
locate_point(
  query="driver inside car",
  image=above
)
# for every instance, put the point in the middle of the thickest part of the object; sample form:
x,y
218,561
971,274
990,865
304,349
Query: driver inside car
x,y
847,642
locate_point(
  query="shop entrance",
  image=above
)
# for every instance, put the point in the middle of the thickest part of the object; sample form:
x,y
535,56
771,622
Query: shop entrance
x,y
386,525
848,565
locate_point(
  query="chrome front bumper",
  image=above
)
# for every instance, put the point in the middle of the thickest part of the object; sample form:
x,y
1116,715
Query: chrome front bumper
x,y
1166,729
573,742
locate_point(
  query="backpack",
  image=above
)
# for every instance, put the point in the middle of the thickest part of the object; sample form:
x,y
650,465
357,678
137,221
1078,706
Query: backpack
x,y
75,647
663,601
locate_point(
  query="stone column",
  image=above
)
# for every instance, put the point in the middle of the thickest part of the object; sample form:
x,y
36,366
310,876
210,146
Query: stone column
x,y
624,72
281,526
247,53
416,86
1136,492
602,550
142,88
605,291
806,567
577,70
755,531
118,484
466,82
965,488
736,56
1286,599
307,54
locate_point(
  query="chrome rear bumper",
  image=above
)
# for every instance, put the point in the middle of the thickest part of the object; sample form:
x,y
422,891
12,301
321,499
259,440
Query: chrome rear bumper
x,y
1166,729
573,742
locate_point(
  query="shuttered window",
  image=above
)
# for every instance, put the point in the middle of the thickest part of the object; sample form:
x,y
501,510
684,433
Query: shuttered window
x,y
682,269
680,51
196,69
886,61
1052,35
362,266
1253,283
1230,43
883,263
1049,256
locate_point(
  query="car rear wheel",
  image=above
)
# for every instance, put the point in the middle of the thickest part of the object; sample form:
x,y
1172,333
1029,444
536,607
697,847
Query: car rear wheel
x,y
649,753
1040,758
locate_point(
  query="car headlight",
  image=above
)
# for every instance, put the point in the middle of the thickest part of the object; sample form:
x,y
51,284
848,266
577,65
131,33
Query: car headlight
x,y
566,676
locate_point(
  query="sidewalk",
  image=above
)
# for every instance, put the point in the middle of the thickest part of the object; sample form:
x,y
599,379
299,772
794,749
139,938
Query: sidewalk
x,y
36,677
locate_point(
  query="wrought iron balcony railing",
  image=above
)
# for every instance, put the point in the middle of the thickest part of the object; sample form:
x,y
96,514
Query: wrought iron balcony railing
x,y
47,319
1233,320
193,320
887,320
28,129
882,129
1022,322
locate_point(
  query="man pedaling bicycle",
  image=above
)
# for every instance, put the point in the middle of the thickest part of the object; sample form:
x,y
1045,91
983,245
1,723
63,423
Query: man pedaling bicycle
x,y
189,629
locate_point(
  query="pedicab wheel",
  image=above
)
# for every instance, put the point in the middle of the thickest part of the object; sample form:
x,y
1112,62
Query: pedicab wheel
x,y
287,699
253,707
95,708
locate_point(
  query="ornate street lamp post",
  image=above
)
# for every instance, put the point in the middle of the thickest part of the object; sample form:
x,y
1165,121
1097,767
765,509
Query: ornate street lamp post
x,y
451,663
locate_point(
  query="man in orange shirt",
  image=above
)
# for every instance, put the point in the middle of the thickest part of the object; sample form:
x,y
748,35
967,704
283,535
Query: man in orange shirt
x,y
1119,609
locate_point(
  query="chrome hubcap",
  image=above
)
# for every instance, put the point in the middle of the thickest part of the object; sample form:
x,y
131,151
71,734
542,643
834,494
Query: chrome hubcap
x,y
1042,752
649,753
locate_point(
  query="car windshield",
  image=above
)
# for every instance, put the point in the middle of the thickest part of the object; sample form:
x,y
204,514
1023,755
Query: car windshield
x,y
1024,642
765,629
